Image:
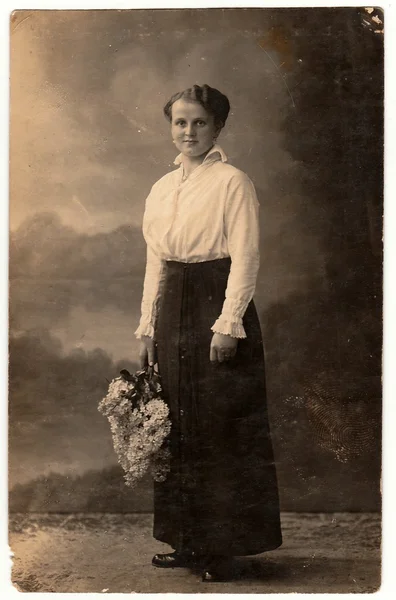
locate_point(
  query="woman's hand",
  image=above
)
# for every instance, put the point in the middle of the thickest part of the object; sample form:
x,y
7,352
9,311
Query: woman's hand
x,y
222,347
147,352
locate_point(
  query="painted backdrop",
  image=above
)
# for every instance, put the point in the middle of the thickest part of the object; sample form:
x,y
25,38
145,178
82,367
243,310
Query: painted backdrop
x,y
88,140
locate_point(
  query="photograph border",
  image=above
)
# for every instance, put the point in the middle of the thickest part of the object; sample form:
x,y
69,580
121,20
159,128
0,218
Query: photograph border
x,y
389,410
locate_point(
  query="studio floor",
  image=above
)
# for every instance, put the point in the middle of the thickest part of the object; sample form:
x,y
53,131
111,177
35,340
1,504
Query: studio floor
x,y
333,553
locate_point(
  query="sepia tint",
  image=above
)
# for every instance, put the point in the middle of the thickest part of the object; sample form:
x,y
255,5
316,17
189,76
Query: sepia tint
x,y
88,140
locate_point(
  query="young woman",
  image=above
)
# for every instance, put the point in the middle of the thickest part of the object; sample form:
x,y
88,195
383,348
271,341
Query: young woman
x,y
199,322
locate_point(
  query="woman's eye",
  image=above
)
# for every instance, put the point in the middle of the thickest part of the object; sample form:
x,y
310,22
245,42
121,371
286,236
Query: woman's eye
x,y
200,123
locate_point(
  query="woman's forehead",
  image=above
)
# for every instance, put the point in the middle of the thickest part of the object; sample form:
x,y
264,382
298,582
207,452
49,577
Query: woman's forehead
x,y
189,109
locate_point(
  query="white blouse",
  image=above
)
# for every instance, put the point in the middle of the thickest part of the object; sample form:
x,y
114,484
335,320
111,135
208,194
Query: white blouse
x,y
213,213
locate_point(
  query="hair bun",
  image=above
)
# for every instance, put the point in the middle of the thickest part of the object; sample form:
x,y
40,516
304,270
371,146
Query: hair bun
x,y
213,101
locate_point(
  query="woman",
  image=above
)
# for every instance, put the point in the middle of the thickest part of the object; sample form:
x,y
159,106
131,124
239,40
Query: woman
x,y
200,324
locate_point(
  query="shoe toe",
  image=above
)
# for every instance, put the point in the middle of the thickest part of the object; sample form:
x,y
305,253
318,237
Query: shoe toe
x,y
218,571
172,560
212,576
163,560
208,576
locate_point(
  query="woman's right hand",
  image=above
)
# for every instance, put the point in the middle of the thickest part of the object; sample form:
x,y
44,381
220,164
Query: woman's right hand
x,y
147,352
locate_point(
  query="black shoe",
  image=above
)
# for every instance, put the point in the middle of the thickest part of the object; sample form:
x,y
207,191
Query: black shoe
x,y
218,570
174,560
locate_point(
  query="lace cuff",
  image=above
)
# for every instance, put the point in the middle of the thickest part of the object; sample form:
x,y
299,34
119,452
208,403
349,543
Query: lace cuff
x,y
230,320
233,328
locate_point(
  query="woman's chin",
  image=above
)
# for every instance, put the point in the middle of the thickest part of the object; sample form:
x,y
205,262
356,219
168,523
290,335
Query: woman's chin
x,y
191,150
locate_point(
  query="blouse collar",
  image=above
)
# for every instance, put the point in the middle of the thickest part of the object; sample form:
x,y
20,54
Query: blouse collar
x,y
215,153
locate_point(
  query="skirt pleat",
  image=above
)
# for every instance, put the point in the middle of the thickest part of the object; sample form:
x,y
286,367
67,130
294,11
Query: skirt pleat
x,y
221,495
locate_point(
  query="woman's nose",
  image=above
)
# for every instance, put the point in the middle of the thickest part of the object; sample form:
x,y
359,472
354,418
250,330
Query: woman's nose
x,y
190,129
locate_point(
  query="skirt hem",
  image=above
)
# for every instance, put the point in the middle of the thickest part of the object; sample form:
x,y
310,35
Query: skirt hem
x,y
226,552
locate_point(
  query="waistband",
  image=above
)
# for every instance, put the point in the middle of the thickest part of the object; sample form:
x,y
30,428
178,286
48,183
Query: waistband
x,y
205,264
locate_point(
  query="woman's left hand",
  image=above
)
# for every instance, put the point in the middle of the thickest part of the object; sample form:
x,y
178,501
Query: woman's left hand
x,y
222,347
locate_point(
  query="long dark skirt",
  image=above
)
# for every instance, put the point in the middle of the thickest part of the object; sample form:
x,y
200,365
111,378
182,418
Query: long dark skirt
x,y
221,496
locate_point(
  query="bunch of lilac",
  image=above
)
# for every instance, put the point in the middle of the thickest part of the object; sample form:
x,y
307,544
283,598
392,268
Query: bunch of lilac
x,y
139,423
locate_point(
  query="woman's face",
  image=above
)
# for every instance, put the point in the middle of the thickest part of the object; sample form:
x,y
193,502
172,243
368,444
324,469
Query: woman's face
x,y
193,129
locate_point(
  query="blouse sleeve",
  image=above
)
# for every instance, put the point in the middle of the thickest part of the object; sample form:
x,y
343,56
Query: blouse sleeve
x,y
152,288
243,234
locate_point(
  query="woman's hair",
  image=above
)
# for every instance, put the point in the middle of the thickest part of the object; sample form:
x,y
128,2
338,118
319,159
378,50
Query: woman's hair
x,y
213,101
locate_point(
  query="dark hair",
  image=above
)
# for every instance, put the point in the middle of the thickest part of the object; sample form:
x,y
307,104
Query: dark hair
x,y
213,101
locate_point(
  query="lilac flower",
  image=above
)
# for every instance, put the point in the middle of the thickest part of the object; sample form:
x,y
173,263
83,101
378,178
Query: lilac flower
x,y
139,424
